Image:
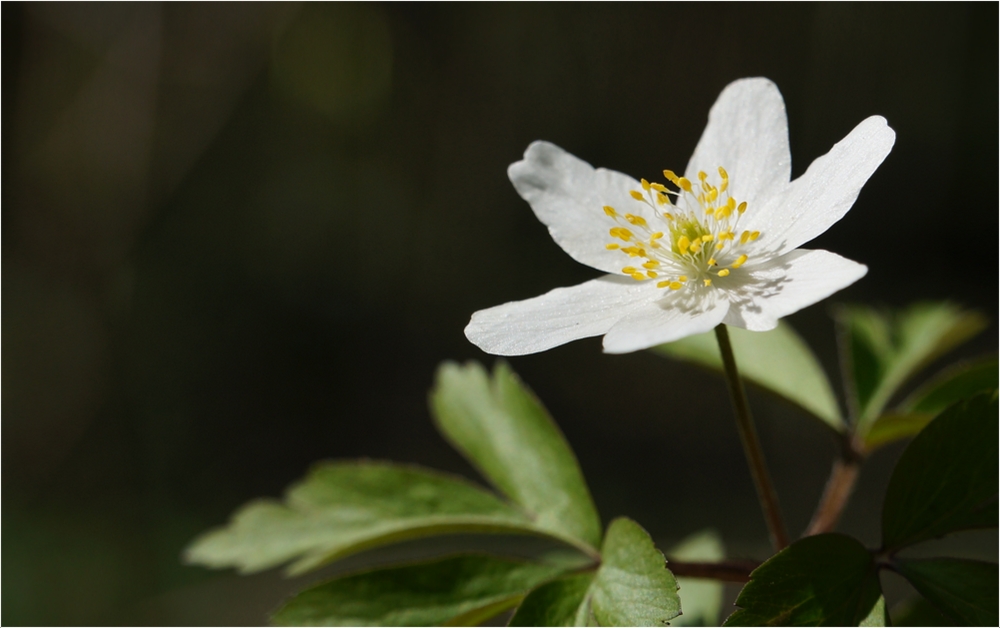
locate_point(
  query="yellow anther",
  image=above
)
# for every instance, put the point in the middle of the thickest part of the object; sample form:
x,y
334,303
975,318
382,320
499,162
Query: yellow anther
x,y
659,187
621,233
707,237
724,272
707,282
651,264
636,194
724,186
712,262
684,184
610,211
630,270
675,285
709,211
742,259
720,246
645,184
743,207
633,251
651,274
673,178
662,199
663,284
682,278
723,173
713,194
754,235
682,244
701,175
656,236
726,235
638,277
668,215
723,212
635,220
696,246
744,237
611,247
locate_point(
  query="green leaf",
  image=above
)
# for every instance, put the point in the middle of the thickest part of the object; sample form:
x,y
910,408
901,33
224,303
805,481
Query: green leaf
x,y
345,507
953,384
701,598
502,428
633,586
823,580
965,591
956,383
946,479
777,361
917,612
878,615
561,602
460,590
884,351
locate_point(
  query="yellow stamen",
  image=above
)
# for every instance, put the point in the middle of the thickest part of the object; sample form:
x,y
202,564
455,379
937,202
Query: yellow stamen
x,y
707,282
696,246
670,176
611,247
682,244
675,285
744,237
656,236
707,237
628,270
754,235
701,175
742,259
651,274
636,194
684,184
712,262
645,184
724,272
638,277
682,278
651,264
723,173
610,211
720,246
663,284
635,220
659,187
743,207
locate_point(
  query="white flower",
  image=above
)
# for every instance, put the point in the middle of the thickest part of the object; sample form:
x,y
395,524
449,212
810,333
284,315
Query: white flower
x,y
719,245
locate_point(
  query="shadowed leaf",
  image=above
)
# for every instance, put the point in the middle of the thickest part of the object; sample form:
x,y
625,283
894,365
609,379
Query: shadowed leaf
x,y
965,591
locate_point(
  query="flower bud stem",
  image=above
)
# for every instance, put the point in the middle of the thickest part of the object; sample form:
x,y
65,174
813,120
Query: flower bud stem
x,y
751,443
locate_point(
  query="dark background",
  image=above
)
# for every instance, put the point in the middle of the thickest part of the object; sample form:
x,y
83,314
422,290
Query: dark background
x,y
239,238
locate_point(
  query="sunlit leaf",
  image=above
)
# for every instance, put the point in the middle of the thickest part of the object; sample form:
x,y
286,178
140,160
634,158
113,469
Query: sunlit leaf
x,y
502,428
633,586
345,507
562,602
884,351
462,590
946,479
823,580
701,598
965,591
777,361
878,615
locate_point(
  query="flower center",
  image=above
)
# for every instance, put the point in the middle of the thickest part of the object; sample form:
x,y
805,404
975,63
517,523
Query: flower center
x,y
694,237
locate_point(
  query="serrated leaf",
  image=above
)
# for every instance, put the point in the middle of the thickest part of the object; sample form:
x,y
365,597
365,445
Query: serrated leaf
x,y
965,591
344,507
502,428
823,580
561,602
885,351
461,590
633,586
958,382
946,479
778,361
701,598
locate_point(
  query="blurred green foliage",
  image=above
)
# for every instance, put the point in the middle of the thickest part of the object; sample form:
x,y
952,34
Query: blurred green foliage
x,y
239,238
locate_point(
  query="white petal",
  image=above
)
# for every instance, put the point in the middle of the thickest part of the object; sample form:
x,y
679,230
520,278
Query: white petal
x,y
672,318
821,196
568,196
787,284
557,317
747,134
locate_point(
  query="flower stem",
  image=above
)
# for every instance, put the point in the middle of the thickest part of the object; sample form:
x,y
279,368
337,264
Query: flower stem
x,y
727,570
839,487
751,444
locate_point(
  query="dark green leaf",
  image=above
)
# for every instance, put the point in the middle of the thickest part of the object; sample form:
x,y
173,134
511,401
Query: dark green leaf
x,y
461,590
701,598
946,479
499,425
557,603
965,591
884,351
824,580
917,612
345,507
777,361
633,586
956,383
